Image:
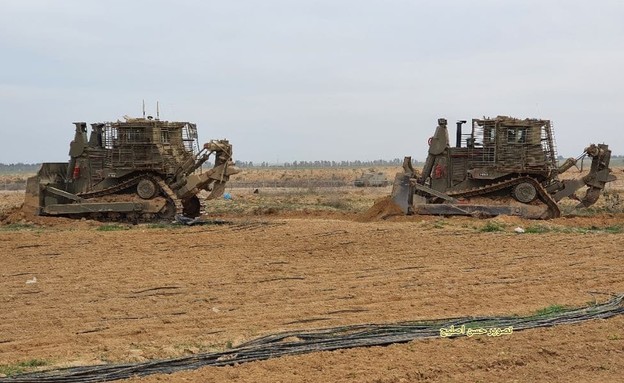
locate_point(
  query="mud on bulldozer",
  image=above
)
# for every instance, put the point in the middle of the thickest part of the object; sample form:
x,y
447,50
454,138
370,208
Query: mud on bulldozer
x,y
504,166
140,169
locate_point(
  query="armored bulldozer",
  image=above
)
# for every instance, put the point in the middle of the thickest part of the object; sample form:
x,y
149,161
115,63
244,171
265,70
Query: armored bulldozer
x,y
502,166
372,178
140,169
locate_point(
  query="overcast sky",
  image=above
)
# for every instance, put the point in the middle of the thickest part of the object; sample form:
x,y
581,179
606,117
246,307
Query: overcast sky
x,y
288,80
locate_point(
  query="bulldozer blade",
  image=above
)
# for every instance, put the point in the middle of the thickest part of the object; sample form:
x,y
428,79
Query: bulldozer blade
x,y
32,200
403,192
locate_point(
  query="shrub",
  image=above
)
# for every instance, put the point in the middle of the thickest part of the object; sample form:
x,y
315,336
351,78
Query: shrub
x,y
492,227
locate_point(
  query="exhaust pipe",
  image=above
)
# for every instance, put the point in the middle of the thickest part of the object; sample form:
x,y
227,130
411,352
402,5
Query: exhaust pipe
x,y
459,133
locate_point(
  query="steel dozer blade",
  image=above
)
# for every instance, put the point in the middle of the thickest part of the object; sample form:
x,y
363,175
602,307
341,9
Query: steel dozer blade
x,y
32,200
403,187
403,192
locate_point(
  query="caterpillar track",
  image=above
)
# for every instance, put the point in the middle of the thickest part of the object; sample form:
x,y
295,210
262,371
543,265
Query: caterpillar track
x,y
553,209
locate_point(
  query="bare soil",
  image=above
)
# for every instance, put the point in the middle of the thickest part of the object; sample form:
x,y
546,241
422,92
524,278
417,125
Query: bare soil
x,y
84,292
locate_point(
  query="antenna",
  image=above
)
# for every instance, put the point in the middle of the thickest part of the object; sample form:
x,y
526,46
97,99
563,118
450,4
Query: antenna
x,y
157,111
143,108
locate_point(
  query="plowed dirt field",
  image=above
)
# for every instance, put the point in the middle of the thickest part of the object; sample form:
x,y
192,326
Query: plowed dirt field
x,y
83,292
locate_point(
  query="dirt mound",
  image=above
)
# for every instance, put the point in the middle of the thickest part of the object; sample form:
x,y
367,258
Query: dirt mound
x,y
16,215
21,216
383,208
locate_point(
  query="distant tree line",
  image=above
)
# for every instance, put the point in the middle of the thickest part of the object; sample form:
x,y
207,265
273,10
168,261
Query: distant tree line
x,y
33,168
19,168
322,164
616,160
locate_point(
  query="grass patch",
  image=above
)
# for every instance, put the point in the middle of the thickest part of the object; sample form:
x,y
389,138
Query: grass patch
x,y
112,228
538,229
491,227
616,229
159,226
17,227
21,367
439,224
550,310
337,203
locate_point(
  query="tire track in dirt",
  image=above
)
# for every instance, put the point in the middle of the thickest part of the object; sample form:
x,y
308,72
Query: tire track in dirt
x,y
234,285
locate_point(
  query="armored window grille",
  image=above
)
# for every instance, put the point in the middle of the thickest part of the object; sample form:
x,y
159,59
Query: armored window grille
x,y
164,135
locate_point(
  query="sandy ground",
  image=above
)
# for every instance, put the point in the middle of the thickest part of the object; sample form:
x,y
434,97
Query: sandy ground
x,y
154,291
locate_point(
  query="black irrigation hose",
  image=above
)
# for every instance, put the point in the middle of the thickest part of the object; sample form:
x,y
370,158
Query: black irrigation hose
x,y
294,342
